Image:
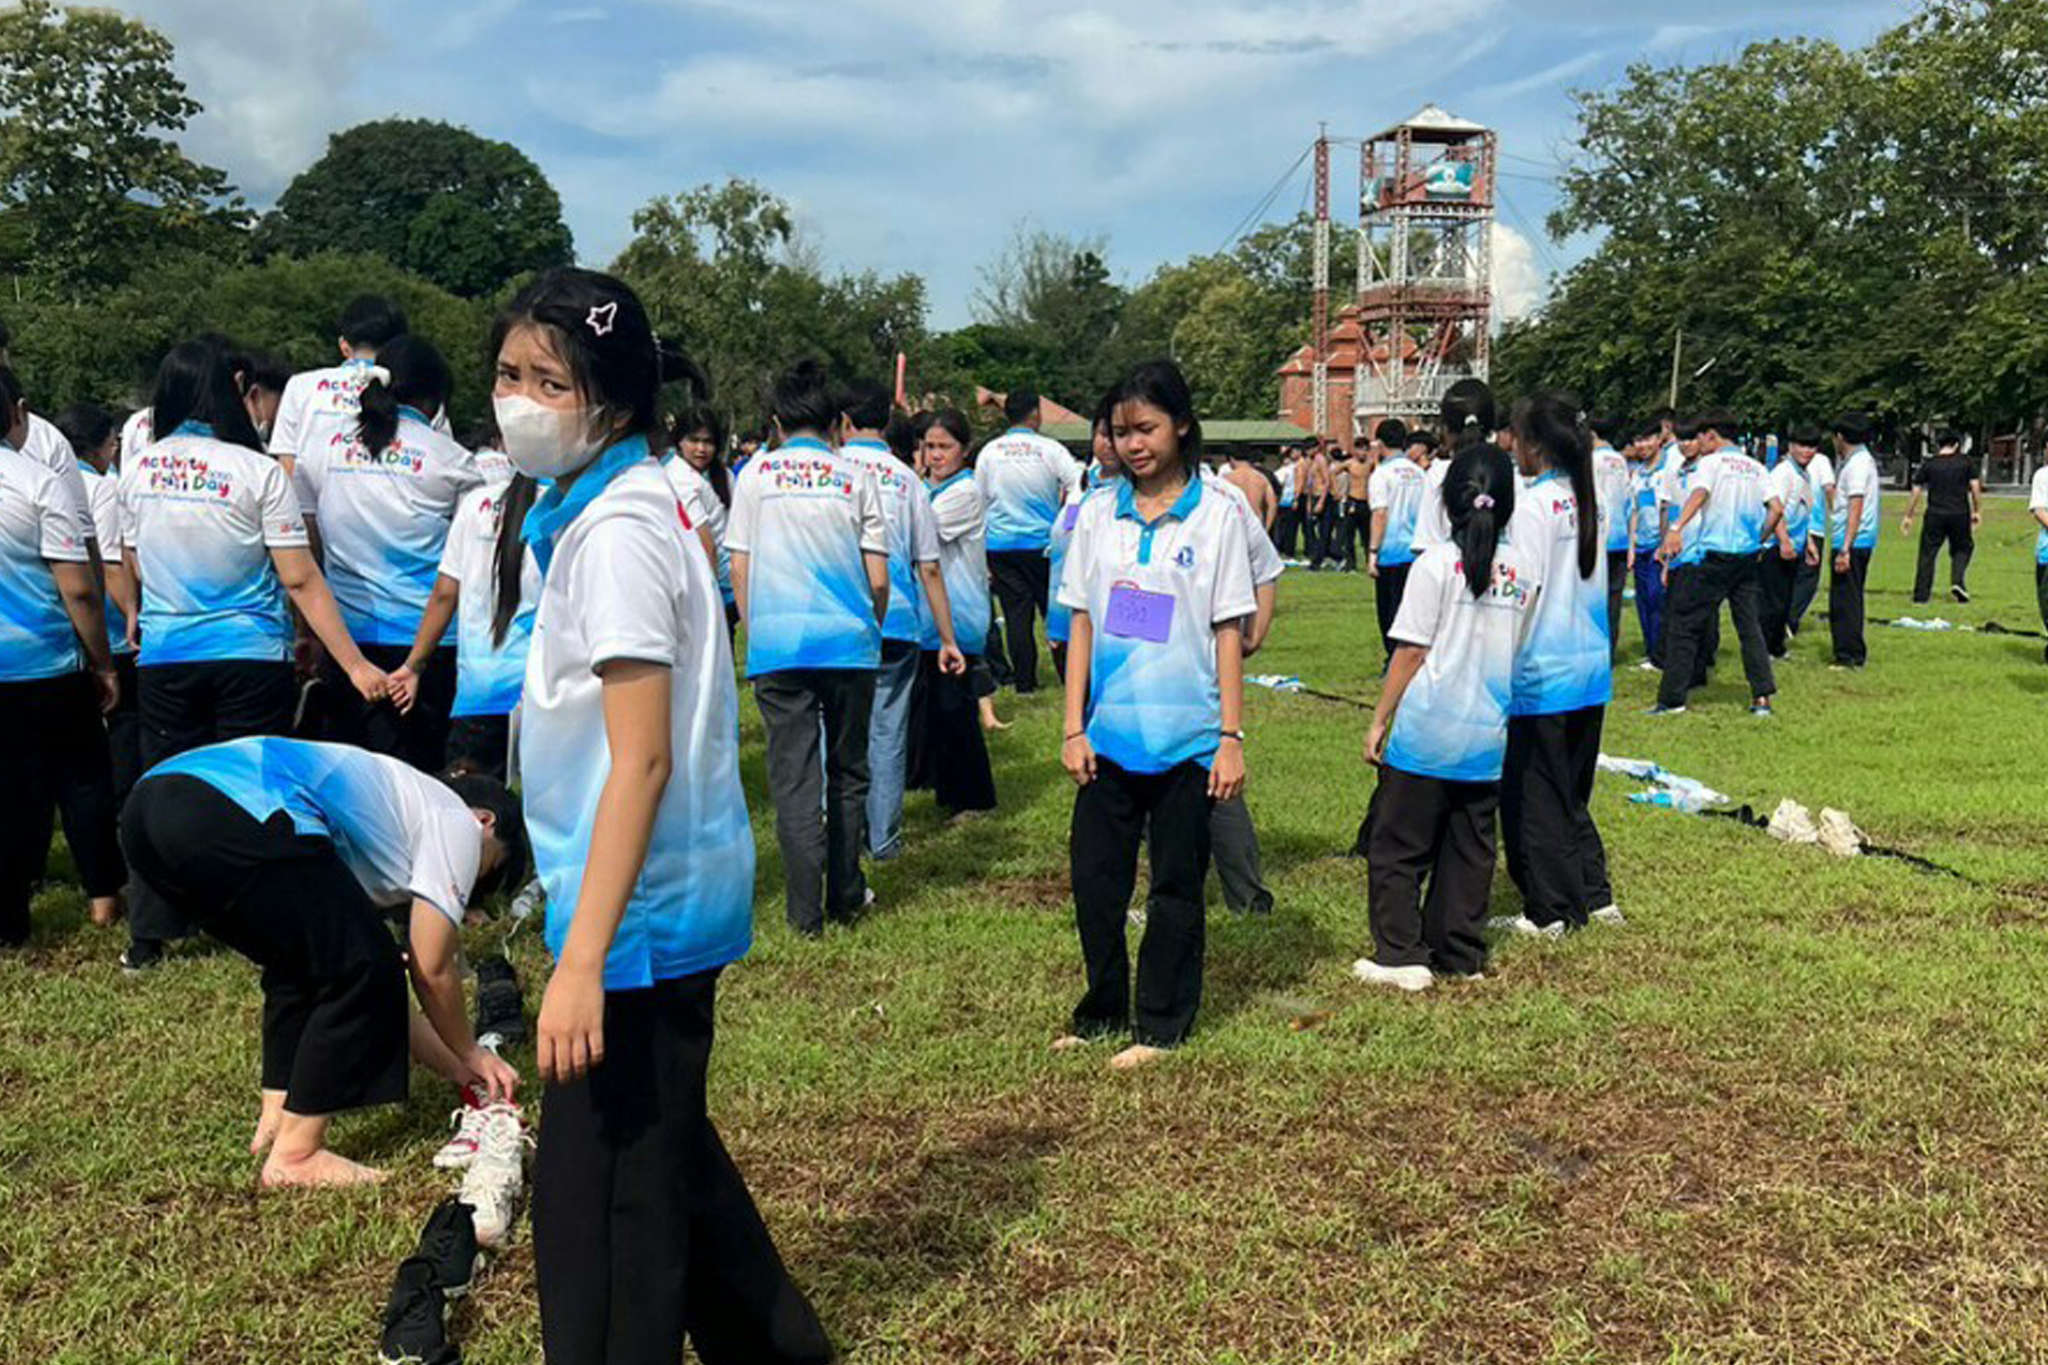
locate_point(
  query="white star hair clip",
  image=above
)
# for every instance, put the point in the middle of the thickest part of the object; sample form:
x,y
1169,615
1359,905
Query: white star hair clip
x,y
602,318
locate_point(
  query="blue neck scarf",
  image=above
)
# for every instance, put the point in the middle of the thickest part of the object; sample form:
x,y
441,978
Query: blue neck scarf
x,y
193,427
552,512
944,484
406,410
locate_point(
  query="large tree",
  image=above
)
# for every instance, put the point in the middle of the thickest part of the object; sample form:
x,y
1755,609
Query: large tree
x,y
463,211
91,179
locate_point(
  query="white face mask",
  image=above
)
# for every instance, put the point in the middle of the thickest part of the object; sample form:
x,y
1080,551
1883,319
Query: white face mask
x,y
543,442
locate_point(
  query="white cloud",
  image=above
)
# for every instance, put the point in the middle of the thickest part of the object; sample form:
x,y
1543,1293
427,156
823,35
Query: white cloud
x,y
1518,285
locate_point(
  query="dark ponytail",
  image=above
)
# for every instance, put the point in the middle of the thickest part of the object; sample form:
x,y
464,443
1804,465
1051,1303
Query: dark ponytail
x,y
1551,423
1479,495
1470,414
419,379
508,558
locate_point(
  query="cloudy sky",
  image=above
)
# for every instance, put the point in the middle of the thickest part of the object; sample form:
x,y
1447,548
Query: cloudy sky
x,y
916,134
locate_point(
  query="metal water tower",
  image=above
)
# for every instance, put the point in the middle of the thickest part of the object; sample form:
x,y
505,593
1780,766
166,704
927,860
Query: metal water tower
x,y
1425,263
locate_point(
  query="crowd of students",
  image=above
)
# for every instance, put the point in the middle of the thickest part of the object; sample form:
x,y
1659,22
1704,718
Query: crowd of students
x,y
275,645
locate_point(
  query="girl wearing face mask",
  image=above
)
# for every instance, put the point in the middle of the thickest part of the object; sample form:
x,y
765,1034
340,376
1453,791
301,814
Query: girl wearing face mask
x,y
644,1233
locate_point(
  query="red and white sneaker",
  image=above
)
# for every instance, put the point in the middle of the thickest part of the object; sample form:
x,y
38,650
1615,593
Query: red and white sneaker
x,y
475,1116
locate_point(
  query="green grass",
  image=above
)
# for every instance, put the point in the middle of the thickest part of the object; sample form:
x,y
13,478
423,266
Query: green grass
x,y
1792,1114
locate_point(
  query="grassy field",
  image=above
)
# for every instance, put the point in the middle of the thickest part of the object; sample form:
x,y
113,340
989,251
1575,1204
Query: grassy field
x,y
1793,1113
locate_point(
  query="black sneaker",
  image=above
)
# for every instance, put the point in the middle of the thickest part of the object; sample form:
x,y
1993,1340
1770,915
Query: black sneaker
x,y
500,1008
448,1244
141,955
1960,593
415,1326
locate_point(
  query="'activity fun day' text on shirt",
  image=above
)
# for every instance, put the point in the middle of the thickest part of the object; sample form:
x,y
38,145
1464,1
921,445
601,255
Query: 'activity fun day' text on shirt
x,y
383,520
1025,479
37,528
402,833
1452,723
1155,593
804,514
1565,663
628,580
202,516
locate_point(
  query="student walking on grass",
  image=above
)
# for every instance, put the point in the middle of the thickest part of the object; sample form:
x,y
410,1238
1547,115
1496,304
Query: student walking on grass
x,y
1955,509
1439,736
1159,582
644,1233
292,853
1852,534
1562,681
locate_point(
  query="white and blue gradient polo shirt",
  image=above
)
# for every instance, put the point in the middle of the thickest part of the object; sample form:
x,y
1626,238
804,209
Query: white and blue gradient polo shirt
x,y
402,833
1398,485
383,521
803,514
1858,478
1794,492
1452,723
913,536
103,495
1643,480
1025,479
706,513
1155,593
959,518
1820,475
317,408
2038,502
37,528
1059,618
1738,493
202,516
488,675
1266,564
1565,663
1613,486
628,580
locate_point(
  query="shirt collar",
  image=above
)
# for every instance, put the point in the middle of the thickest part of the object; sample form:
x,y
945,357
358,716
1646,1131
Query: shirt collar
x,y
1183,506
869,443
802,443
193,427
406,410
555,509
944,484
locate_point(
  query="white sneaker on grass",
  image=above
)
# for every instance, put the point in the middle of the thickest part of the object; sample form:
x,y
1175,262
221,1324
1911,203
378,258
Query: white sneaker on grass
x,y
470,1123
1521,926
492,1184
1409,979
1608,914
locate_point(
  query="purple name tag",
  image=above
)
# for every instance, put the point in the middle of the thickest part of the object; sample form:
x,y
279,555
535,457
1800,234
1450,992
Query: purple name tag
x,y
1069,516
1135,614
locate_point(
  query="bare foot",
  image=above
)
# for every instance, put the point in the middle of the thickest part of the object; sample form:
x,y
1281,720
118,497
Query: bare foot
x,y
266,1122
319,1168
1069,1042
1135,1056
106,910
990,720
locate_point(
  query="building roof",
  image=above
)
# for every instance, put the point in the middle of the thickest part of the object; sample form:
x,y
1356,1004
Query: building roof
x,y
1431,124
1217,431
1050,413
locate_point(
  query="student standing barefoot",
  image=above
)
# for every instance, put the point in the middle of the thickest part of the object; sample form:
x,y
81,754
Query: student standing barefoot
x,y
1159,582
644,1233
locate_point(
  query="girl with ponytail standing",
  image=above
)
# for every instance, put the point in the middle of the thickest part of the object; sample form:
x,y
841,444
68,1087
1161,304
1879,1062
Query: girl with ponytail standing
x,y
1468,416
644,1233
1563,678
380,504
1440,733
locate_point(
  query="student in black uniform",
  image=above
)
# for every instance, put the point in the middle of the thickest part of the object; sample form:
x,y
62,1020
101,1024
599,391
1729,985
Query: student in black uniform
x,y
1955,508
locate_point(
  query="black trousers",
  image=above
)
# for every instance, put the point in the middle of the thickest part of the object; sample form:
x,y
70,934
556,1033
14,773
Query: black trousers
x,y
820,807
1555,855
1805,587
1286,530
124,729
1355,529
480,744
420,736
644,1233
1951,529
57,759
954,747
1427,830
1777,579
1320,526
1387,589
1617,583
1845,610
1696,598
334,985
1110,817
1021,580
2041,595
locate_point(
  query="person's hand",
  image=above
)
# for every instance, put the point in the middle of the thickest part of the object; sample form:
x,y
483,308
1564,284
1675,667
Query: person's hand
x,y
1787,550
952,662
1674,544
132,635
1077,756
1375,743
1812,555
107,683
1631,559
404,688
1976,518
1841,561
1372,565
370,680
1226,774
571,1025
1906,527
489,1072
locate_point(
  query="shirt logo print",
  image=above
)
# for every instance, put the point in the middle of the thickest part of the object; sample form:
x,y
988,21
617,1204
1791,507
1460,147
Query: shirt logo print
x,y
1184,557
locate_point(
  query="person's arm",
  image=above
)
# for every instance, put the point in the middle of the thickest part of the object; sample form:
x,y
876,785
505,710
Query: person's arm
x,y
433,960
1408,660
132,567
1077,755
441,606
121,590
1855,523
1674,538
1268,596
1976,502
951,660
741,564
1774,523
1373,539
636,728
1226,774
82,603
307,587
877,566
1912,506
